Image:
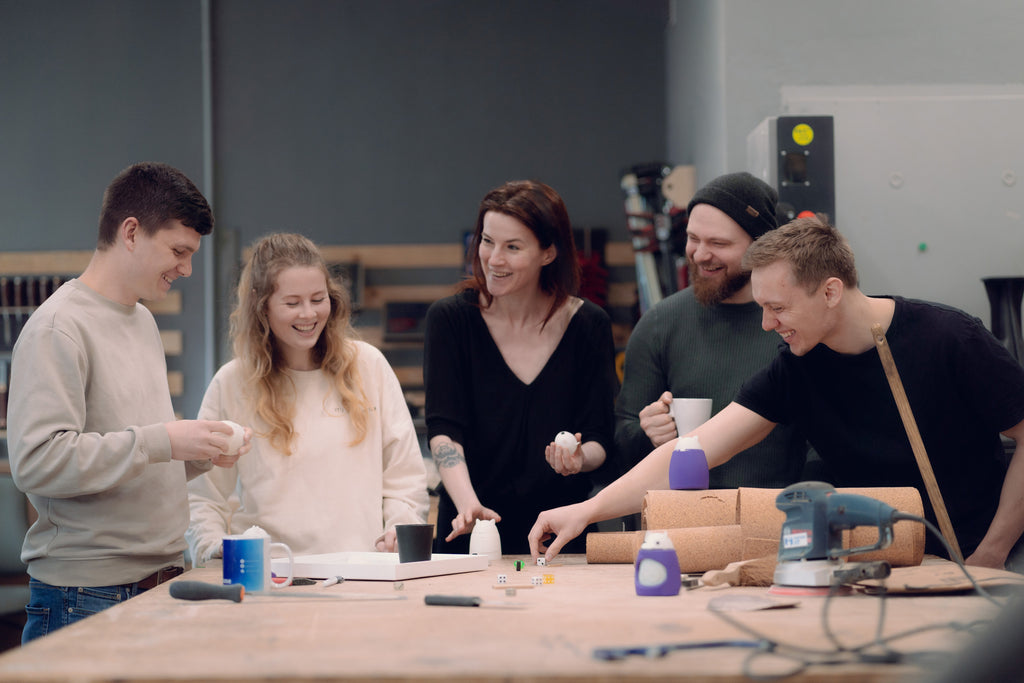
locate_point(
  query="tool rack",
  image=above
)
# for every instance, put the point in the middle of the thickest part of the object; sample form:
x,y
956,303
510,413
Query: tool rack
x,y
29,278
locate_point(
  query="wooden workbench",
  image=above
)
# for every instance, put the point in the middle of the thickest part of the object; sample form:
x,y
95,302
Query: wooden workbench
x,y
551,637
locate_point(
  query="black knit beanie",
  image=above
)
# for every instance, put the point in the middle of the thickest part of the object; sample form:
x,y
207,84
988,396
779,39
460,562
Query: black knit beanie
x,y
747,200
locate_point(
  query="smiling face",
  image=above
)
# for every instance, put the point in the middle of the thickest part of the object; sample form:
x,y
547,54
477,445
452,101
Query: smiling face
x,y
297,312
802,319
715,245
160,258
511,255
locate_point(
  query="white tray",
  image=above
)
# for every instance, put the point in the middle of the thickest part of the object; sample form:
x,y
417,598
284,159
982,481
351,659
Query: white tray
x,y
377,566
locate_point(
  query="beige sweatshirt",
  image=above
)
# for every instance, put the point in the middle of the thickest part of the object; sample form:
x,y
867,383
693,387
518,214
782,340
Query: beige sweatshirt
x,y
327,496
88,403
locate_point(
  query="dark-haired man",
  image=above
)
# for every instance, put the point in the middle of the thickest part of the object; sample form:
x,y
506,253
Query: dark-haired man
x,y
92,434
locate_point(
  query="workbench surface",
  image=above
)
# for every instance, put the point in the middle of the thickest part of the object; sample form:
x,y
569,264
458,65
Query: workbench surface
x,y
550,636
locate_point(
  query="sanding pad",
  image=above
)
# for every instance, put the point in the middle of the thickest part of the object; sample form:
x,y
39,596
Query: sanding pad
x,y
812,591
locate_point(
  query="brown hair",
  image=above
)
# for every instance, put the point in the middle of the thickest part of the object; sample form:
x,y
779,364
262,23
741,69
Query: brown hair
x,y
539,208
153,194
814,249
254,344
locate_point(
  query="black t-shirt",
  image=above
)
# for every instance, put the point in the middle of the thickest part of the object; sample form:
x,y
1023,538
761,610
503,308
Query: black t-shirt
x,y
504,425
963,387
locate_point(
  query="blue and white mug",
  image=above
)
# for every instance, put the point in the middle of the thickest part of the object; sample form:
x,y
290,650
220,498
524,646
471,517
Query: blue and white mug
x,y
247,561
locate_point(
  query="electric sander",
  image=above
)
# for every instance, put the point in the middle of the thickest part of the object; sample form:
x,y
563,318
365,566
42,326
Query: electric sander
x,y
811,553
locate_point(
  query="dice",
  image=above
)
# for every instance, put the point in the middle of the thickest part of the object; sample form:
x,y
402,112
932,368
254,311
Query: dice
x,y
502,578
537,580
541,562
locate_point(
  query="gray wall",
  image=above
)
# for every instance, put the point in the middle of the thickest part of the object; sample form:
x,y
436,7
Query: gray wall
x,y
368,122
363,122
730,63
729,59
352,122
86,89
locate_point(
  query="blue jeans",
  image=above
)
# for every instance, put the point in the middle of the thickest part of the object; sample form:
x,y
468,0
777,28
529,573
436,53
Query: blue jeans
x,y
52,607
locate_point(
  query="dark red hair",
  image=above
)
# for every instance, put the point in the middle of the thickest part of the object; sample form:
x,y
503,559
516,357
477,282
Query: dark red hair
x,y
539,208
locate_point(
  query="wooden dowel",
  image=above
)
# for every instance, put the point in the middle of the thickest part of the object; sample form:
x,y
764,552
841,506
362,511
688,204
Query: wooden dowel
x,y
920,454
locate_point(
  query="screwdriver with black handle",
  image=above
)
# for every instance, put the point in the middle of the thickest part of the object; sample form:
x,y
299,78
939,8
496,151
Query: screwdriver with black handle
x,y
197,590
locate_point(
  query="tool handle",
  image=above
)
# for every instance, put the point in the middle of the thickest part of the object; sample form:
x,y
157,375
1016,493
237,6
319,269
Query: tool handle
x,y
453,600
729,575
197,590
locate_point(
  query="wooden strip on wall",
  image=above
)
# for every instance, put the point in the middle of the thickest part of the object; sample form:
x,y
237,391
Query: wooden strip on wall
x,y
176,382
370,255
376,295
437,255
173,341
622,294
371,334
619,254
374,336
409,375
397,255
44,262
169,305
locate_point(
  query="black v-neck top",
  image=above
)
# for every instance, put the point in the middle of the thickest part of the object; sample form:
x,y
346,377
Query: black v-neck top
x,y
503,424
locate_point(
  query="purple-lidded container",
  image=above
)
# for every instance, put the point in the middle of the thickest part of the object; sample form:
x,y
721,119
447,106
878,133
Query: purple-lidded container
x,y
656,571
688,469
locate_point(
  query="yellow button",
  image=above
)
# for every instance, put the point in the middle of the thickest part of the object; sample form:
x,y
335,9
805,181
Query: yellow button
x,y
803,134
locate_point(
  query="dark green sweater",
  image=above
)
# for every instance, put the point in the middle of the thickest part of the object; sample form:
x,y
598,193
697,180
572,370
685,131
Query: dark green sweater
x,y
697,351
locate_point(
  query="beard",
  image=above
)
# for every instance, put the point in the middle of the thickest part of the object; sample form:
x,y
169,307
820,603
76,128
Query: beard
x,y
713,291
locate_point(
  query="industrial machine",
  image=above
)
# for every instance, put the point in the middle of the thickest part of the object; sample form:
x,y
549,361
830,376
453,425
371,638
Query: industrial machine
x,y
795,155
811,549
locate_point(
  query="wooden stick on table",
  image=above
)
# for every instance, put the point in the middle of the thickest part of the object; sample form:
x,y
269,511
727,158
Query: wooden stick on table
x,y
920,454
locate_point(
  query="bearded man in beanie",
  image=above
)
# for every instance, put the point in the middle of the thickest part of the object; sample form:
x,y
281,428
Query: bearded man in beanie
x,y
706,340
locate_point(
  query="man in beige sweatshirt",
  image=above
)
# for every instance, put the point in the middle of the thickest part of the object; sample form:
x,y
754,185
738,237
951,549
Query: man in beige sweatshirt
x,y
92,435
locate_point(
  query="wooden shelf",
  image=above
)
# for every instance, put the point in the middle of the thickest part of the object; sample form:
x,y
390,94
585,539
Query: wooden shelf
x,y
43,262
397,255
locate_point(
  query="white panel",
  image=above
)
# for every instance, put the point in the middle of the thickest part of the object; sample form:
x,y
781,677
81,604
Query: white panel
x,y
936,167
762,152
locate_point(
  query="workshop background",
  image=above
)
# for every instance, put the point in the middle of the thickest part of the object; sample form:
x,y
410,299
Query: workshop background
x,y
386,121
375,128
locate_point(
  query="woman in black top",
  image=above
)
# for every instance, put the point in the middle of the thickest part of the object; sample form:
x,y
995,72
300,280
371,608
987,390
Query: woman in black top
x,y
510,361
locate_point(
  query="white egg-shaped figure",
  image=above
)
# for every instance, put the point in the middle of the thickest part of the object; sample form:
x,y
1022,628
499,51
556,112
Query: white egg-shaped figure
x,y
657,566
236,439
650,572
566,440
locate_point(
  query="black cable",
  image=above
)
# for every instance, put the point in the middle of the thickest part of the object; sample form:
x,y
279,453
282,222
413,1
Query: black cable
x,y
949,551
832,592
804,657
843,654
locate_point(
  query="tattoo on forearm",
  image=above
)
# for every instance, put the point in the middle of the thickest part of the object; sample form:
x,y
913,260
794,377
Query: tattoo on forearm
x,y
446,455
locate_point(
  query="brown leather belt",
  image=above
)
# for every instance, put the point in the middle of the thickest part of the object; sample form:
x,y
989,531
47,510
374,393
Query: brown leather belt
x,y
158,577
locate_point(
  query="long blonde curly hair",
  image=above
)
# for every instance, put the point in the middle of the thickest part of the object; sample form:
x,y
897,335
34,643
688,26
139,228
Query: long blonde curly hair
x,y
257,350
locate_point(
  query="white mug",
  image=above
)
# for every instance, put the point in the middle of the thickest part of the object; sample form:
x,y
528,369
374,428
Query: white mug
x,y
690,413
